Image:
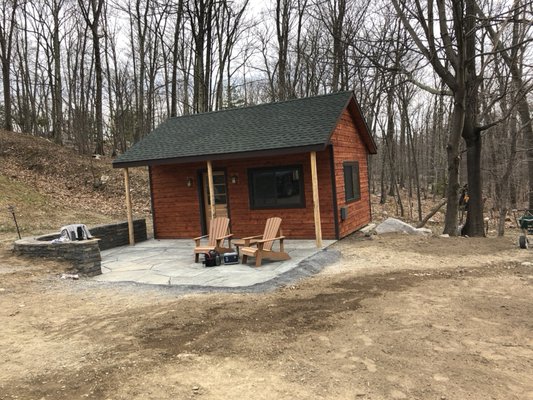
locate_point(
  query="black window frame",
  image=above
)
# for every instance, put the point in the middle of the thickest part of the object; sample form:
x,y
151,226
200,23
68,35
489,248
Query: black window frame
x,y
356,181
251,171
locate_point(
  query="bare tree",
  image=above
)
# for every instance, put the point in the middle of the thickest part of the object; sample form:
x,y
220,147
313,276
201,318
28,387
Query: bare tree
x,y
7,30
47,29
26,90
200,18
283,16
92,14
78,83
175,58
456,45
228,28
512,56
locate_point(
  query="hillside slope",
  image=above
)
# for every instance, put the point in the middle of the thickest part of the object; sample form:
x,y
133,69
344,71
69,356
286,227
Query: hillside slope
x,y
51,186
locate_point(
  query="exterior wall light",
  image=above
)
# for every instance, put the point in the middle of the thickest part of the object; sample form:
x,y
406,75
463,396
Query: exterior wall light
x,y
234,178
189,182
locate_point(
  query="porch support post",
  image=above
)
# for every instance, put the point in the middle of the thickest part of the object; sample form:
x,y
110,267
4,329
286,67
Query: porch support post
x,y
211,188
316,202
128,206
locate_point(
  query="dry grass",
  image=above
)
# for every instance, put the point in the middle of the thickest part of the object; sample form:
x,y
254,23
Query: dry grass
x,y
51,186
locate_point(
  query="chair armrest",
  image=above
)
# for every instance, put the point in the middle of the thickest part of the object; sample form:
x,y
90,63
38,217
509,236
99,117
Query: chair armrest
x,y
198,239
251,237
271,240
250,240
221,239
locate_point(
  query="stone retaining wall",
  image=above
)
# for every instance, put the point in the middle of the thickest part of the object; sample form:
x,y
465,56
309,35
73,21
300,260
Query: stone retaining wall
x,y
115,235
84,255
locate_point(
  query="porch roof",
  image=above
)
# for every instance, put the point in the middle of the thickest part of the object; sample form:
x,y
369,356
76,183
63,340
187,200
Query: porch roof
x,y
277,128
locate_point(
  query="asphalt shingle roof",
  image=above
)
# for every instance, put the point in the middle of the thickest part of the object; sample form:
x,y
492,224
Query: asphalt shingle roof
x,y
284,125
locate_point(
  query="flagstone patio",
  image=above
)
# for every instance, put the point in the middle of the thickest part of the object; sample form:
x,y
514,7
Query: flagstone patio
x,y
171,262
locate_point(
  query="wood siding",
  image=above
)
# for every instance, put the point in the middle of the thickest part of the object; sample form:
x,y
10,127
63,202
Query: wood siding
x,y
177,208
348,146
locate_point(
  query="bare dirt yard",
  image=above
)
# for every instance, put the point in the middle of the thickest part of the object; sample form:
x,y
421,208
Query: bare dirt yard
x,y
396,318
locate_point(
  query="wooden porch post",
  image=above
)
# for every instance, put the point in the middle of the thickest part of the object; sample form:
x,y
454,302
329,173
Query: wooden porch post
x,y
211,188
128,206
316,203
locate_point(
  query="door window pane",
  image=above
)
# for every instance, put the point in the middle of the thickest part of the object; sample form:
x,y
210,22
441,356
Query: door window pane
x,y
219,179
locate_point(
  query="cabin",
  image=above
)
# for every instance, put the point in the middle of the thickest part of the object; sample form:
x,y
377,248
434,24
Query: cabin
x,y
304,160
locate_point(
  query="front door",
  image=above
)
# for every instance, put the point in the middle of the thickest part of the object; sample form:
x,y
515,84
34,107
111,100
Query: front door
x,y
221,198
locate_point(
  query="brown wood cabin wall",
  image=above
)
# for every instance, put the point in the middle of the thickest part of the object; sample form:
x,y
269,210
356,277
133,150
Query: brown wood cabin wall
x,y
177,210
175,206
348,146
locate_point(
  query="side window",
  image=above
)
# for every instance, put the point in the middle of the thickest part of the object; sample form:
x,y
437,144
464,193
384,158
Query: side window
x,y
352,185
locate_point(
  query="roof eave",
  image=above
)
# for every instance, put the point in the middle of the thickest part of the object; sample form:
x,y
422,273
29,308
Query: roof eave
x,y
222,156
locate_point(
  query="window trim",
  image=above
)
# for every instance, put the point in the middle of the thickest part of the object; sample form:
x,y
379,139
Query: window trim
x,y
355,180
251,171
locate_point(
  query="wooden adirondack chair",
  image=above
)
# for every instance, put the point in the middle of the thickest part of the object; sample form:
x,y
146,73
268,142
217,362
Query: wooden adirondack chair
x,y
218,232
264,245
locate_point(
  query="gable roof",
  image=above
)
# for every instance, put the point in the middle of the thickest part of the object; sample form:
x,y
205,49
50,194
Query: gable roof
x,y
286,127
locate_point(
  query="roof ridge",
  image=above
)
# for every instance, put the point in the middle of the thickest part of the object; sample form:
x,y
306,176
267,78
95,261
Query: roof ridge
x,y
260,105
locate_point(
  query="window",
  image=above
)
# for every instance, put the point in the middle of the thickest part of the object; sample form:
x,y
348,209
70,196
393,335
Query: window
x,y
352,185
277,187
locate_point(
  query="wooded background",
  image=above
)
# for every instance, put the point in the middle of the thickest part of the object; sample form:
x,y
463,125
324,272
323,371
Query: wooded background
x,y
445,86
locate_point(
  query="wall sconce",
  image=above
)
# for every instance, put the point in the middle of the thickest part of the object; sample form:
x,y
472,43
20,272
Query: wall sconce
x,y
189,182
234,178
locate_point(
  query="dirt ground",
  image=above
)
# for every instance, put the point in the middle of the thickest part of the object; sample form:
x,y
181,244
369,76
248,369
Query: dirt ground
x,y
397,318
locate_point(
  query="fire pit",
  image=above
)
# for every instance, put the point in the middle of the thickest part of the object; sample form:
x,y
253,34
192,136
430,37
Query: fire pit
x,y
84,255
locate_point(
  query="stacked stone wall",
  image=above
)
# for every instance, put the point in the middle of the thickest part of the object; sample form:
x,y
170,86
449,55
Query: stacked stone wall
x,y
115,235
84,255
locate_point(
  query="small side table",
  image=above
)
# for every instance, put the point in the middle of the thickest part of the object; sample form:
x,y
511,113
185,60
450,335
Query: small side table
x,y
241,243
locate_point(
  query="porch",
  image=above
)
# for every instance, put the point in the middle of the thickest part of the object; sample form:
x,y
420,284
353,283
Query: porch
x,y
171,262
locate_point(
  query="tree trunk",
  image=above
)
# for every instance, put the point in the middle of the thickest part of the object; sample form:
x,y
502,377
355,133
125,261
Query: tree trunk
x,y
474,225
338,43
6,75
383,188
471,134
99,145
175,49
282,30
58,87
6,45
411,146
390,140
94,10
452,151
525,117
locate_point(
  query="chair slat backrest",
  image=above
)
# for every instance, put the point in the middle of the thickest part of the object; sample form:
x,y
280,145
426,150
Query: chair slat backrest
x,y
271,231
218,228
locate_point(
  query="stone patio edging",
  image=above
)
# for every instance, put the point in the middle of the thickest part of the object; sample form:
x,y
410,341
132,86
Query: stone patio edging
x,y
305,268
